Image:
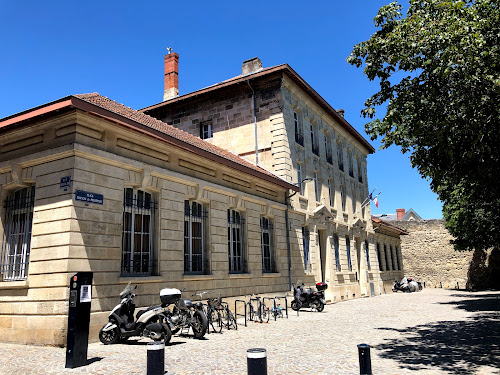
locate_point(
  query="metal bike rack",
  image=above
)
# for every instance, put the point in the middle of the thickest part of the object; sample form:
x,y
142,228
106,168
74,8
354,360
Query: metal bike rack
x,y
236,310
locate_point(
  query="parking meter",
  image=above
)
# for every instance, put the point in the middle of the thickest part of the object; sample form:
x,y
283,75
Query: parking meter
x,y
80,295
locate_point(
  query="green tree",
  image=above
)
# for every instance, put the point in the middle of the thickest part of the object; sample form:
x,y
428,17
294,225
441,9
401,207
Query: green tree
x,y
439,74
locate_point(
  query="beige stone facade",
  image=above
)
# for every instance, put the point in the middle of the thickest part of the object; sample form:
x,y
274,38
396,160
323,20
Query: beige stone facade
x,y
429,255
103,156
274,114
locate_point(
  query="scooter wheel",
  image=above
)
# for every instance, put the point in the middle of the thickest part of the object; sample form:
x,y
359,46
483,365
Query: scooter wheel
x,y
320,307
109,337
295,306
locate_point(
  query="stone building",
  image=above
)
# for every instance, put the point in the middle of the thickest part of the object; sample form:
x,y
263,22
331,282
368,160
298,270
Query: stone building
x,y
276,119
88,184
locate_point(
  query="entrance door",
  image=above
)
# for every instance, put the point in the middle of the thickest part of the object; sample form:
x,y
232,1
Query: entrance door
x,y
361,271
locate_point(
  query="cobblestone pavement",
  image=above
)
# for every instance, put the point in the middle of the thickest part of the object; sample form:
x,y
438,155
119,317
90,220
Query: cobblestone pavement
x,y
435,331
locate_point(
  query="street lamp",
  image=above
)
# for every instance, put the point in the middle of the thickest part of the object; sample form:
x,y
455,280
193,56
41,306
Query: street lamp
x,y
288,249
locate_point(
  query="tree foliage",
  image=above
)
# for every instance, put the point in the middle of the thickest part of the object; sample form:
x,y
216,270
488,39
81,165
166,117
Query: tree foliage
x,y
439,73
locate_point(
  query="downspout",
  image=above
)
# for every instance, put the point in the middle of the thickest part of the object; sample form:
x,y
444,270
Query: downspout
x,y
288,249
255,124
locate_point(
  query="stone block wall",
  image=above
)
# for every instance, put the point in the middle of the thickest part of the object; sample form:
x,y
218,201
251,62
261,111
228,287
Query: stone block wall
x,y
428,255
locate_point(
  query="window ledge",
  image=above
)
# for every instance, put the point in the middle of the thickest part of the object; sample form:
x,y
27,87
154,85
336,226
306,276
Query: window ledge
x,y
192,277
14,284
240,276
140,279
271,274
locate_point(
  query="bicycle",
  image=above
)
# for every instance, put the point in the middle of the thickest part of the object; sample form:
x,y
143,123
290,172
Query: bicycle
x,y
210,311
277,311
261,312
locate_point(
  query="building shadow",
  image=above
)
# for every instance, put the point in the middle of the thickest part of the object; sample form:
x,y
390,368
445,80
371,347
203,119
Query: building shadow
x,y
456,347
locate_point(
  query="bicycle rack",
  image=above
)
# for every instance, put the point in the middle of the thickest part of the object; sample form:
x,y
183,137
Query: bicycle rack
x,y
286,304
236,310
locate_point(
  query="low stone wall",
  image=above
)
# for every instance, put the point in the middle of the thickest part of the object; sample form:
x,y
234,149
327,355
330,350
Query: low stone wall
x,y
428,255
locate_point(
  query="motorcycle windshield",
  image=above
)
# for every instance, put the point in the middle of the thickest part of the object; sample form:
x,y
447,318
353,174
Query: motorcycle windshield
x,y
126,291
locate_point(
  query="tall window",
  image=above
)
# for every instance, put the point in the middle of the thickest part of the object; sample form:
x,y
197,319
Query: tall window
x,y
348,249
338,267
340,156
351,164
236,254
305,246
316,187
331,193
398,258
342,197
393,259
17,234
299,178
387,267
367,251
267,245
353,200
314,141
360,171
194,238
299,134
328,149
379,257
206,130
137,238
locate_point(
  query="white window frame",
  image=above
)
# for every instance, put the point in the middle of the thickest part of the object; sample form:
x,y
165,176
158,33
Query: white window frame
x,y
18,223
207,130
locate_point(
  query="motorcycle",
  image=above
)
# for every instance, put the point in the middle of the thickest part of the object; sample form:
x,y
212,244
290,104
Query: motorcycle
x,y
315,299
407,285
151,322
184,314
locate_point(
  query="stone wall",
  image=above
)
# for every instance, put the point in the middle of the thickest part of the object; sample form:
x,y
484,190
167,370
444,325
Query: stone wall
x,y
428,255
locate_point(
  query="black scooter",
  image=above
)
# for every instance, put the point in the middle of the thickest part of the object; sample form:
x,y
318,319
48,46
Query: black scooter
x,y
151,322
315,299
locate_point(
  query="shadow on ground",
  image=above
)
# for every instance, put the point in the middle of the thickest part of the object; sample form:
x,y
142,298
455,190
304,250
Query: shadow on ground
x,y
457,347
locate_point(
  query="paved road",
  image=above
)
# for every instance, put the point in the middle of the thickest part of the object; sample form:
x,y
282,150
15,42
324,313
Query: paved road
x,y
435,331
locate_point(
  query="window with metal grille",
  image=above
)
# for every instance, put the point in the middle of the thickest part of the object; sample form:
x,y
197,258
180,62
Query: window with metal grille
x,y
195,259
266,234
305,247
17,234
348,249
235,224
367,251
314,141
138,233
316,187
331,193
338,267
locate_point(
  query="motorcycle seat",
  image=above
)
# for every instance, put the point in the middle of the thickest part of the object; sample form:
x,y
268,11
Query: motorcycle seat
x,y
139,313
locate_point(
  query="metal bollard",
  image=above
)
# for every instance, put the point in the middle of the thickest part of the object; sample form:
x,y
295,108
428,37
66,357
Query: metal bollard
x,y
458,286
365,363
440,284
256,361
156,358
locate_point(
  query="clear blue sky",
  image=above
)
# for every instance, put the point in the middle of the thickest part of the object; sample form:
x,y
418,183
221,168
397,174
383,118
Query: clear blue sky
x,y
50,49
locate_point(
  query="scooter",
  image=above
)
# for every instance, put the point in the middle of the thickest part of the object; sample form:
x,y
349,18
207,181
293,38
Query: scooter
x,y
184,314
151,322
315,299
407,285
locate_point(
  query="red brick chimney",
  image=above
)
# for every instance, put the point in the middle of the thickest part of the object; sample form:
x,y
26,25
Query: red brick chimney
x,y
401,213
171,76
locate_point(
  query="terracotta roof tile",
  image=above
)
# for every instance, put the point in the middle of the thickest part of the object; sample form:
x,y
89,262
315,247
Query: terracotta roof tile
x,y
142,118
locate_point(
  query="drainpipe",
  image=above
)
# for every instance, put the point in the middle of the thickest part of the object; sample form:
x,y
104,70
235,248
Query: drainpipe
x,y
255,124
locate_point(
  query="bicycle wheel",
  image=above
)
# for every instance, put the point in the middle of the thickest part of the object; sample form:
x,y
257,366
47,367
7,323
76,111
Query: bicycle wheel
x,y
219,320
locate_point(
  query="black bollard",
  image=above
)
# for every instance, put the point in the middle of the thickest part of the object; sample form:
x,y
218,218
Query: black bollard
x,y
257,361
424,284
458,286
440,284
156,358
365,362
